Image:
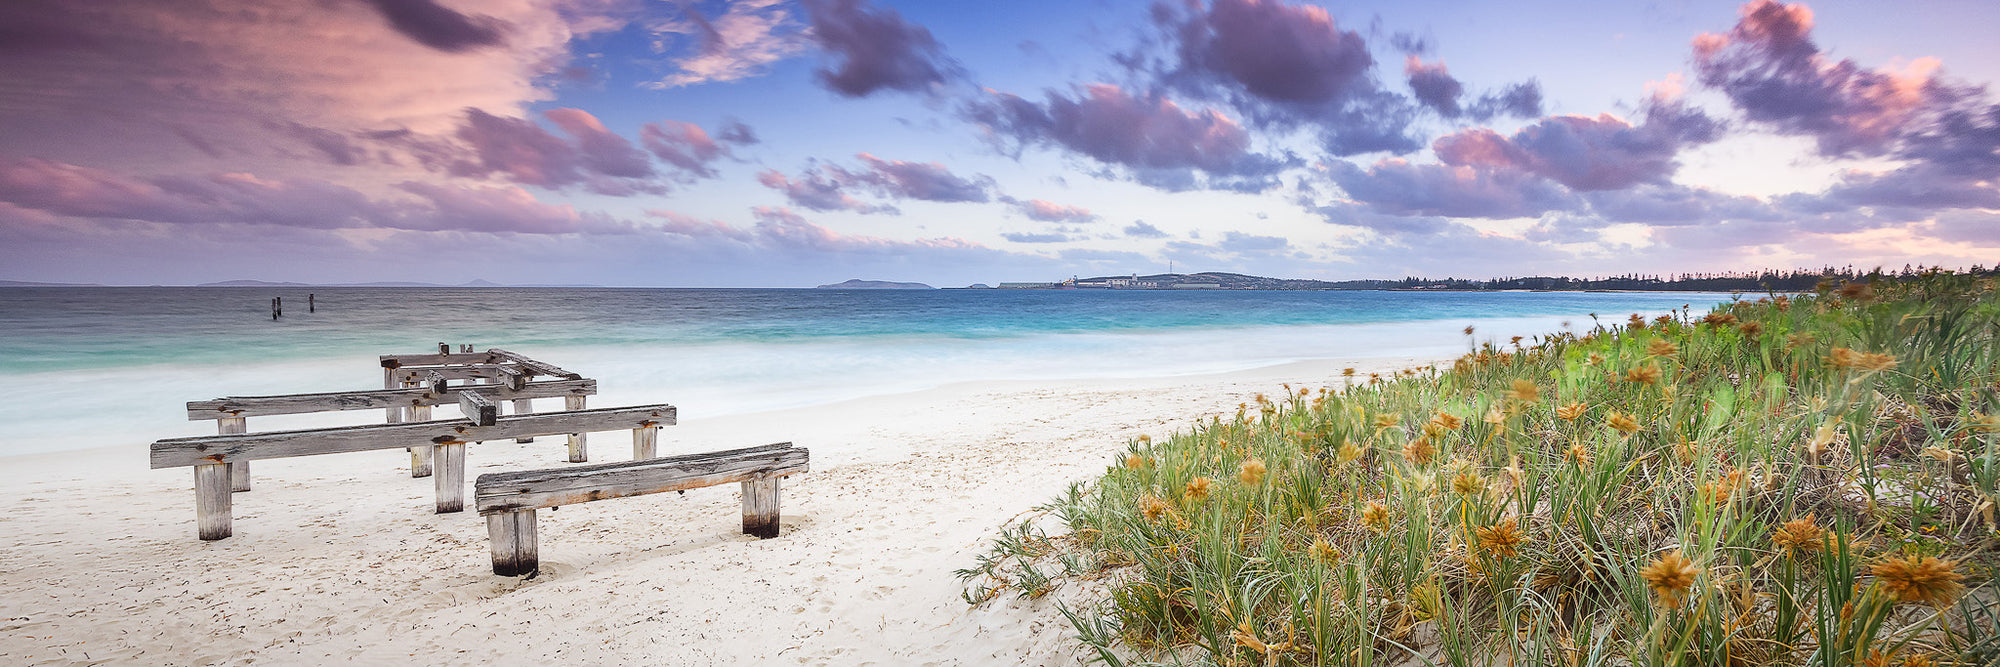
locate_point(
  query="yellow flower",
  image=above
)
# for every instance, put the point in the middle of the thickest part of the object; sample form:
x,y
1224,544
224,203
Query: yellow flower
x,y
1420,451
1199,488
1152,507
1623,422
1502,540
1572,411
1525,392
1376,517
1324,552
1920,579
1251,473
1670,577
1661,347
1799,537
1467,483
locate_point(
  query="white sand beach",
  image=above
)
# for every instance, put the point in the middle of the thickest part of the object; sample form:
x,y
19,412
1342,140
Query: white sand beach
x,y
339,558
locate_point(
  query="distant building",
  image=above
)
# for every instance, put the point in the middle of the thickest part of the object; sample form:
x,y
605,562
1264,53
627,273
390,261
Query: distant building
x,y
1030,285
1197,286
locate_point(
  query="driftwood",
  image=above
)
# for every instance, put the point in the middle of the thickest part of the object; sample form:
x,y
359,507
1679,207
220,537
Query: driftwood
x,y
508,500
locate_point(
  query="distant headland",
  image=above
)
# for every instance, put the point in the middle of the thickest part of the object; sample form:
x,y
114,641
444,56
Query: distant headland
x,y
1777,281
858,283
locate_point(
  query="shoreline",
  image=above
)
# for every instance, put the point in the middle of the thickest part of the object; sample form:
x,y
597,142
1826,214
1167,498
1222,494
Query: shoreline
x,y
340,557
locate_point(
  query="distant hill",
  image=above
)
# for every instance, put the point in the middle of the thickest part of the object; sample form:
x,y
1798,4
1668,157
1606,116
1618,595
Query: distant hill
x,y
875,284
252,283
30,283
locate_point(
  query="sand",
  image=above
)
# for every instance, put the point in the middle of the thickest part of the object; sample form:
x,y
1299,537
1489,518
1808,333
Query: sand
x,y
340,558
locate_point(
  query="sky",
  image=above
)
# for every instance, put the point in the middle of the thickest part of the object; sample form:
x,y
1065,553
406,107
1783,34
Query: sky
x,y
790,143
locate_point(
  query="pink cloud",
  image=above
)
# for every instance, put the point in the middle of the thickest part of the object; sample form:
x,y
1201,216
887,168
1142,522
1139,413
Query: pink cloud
x,y
1048,211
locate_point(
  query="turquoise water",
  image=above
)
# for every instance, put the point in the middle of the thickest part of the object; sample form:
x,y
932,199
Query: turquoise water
x,y
145,351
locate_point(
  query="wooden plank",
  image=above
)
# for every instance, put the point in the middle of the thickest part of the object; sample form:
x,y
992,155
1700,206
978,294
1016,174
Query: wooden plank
x,y
538,367
513,537
393,399
579,443
421,374
523,406
212,502
513,377
433,359
389,383
530,489
478,408
645,443
239,472
760,507
451,478
175,452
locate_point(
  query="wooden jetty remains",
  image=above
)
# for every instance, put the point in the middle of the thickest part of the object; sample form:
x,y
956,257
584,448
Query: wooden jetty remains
x,y
416,384
508,500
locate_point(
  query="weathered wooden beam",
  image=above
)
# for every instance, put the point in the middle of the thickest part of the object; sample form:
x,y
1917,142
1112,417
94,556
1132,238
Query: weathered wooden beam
x,y
495,493
645,443
394,399
434,381
579,443
523,406
451,478
423,458
538,367
175,452
421,374
513,377
212,502
428,359
239,472
760,507
478,408
514,548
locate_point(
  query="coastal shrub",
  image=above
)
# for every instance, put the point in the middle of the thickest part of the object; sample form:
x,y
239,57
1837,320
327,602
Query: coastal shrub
x,y
1790,480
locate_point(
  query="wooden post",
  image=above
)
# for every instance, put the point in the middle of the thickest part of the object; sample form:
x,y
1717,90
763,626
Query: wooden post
x,y
524,406
760,507
212,502
421,456
310,307
513,536
578,445
645,441
451,478
239,472
274,309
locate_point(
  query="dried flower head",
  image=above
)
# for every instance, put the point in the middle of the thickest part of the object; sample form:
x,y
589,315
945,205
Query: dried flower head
x,y
1623,422
1637,322
1251,472
1135,461
1922,579
1718,320
1643,374
1143,438
1862,292
1199,489
1420,451
1447,421
1388,420
1502,540
1751,329
1670,576
1376,517
1572,411
1349,452
1152,507
1494,415
1798,340
1595,359
1579,454
1661,347
1467,483
1324,553
1984,423
1798,537
1525,392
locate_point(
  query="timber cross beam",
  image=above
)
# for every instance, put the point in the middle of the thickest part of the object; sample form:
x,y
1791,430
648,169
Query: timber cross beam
x,y
508,500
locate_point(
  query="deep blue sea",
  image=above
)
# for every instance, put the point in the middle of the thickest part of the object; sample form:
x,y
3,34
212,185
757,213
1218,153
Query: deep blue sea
x,y
113,366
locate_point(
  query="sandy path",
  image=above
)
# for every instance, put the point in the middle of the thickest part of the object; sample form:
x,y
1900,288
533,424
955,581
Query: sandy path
x,y
340,558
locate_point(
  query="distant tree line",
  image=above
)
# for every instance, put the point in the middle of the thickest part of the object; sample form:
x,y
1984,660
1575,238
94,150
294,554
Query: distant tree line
x,y
1797,280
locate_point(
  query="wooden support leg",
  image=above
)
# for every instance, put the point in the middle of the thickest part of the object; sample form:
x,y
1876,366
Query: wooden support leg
x,y
760,507
578,446
212,502
513,535
451,478
523,406
645,441
239,472
422,456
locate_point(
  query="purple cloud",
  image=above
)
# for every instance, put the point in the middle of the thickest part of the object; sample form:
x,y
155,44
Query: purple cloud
x,y
683,145
1048,211
1602,153
1276,51
876,49
817,191
825,187
1144,230
599,149
1118,128
1019,237
1437,89
440,28
1400,188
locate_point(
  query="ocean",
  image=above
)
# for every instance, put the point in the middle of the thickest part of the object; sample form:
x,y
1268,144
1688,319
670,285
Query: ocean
x,y
94,367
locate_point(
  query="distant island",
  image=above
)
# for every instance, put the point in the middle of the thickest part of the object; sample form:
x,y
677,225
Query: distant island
x,y
1776,281
875,284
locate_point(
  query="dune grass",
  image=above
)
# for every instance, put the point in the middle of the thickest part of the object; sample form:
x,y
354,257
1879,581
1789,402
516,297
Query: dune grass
x,y
1785,481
